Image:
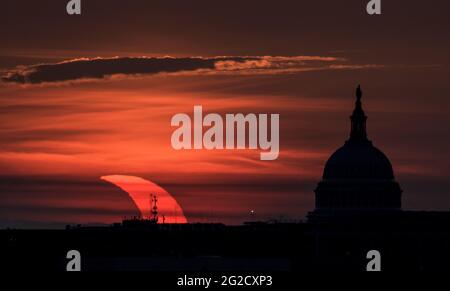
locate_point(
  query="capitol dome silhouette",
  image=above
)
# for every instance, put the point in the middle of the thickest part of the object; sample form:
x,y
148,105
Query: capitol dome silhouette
x,y
358,176
358,161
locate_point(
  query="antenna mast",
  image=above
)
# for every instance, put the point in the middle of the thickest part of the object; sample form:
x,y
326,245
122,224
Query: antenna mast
x,y
153,208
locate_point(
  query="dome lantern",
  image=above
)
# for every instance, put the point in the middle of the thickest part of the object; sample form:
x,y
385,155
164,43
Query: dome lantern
x,y
358,121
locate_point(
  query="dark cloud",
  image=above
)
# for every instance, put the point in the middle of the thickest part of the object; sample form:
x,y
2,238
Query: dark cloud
x,y
9,61
99,68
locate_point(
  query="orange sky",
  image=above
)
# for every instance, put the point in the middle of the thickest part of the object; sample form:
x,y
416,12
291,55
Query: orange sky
x,y
122,126
59,138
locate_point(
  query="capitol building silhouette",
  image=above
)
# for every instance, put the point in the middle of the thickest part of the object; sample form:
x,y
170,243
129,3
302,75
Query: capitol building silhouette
x,y
358,178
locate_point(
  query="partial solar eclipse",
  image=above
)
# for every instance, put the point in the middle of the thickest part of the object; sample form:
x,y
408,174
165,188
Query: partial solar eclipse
x,y
140,190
